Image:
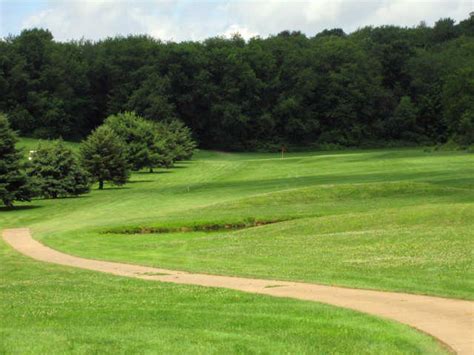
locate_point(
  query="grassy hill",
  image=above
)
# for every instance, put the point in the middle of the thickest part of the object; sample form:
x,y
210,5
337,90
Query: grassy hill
x,y
28,144
384,219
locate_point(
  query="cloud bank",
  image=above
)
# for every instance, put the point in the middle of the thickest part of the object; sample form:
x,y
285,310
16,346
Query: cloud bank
x,y
180,20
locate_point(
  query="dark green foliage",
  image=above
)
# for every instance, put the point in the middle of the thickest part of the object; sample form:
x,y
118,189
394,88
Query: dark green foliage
x,y
174,141
330,89
55,172
403,122
151,99
180,138
142,146
14,185
167,147
48,89
152,144
465,134
444,30
458,96
103,155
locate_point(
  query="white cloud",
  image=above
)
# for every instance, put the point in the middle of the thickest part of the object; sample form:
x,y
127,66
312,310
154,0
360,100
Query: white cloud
x,y
237,29
98,19
323,10
272,16
408,12
191,20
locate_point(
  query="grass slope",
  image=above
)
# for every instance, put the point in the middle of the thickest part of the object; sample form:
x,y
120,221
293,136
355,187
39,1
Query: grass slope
x,y
383,219
48,309
390,219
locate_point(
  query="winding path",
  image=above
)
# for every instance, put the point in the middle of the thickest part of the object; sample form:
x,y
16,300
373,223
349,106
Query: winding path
x,y
449,320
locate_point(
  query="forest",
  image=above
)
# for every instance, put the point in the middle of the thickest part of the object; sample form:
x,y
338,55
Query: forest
x,y
376,86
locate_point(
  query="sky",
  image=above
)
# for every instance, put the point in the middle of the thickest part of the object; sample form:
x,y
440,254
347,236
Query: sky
x,y
180,20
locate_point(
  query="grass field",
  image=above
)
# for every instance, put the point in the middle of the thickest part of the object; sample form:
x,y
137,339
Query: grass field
x,y
398,220
53,310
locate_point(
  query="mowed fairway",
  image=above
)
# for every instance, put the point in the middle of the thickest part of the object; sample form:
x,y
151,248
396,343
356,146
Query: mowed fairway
x,y
398,220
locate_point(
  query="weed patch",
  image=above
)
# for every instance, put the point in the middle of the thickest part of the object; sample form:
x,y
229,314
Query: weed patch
x,y
202,227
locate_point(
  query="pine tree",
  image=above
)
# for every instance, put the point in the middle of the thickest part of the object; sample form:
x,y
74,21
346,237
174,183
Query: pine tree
x,y
166,143
177,141
185,145
14,184
103,156
142,147
166,146
56,172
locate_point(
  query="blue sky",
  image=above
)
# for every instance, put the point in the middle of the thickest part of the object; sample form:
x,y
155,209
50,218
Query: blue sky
x,y
12,13
195,20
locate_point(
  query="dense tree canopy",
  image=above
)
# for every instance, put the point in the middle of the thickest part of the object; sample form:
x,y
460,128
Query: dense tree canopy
x,y
333,88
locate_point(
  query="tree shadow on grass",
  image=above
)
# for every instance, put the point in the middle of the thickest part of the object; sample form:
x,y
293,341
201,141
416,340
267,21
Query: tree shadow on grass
x,y
18,208
152,173
61,198
161,172
113,188
139,181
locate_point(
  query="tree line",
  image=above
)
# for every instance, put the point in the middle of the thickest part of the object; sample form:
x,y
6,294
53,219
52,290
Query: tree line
x,y
124,142
375,86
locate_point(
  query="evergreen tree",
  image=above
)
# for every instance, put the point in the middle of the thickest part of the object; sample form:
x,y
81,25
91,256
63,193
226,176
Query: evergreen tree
x,y
55,172
103,156
14,184
141,142
166,145
184,143
176,138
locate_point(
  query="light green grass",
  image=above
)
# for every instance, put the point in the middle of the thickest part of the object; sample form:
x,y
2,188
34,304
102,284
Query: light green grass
x,y
422,249
47,309
384,219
